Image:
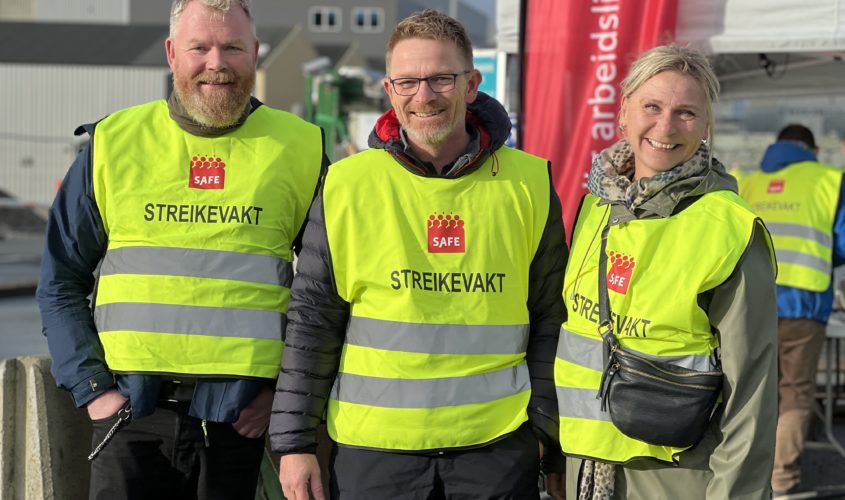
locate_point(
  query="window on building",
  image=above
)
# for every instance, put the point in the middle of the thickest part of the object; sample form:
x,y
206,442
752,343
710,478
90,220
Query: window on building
x,y
324,19
368,19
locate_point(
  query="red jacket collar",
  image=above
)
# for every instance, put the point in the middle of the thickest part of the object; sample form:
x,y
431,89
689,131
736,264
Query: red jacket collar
x,y
387,128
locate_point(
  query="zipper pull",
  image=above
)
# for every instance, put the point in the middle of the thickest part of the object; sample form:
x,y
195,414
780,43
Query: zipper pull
x,y
604,384
205,433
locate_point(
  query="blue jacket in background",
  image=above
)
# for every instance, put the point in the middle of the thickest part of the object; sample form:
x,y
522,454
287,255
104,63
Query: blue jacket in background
x,y
796,303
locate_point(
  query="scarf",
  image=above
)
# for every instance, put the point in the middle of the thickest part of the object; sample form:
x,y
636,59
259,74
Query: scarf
x,y
612,175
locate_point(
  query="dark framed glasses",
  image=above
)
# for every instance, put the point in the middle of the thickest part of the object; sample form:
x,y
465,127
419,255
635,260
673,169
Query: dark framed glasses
x,y
443,82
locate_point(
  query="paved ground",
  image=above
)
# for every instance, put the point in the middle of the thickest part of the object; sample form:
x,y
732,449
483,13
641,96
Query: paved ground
x,y
823,471
20,323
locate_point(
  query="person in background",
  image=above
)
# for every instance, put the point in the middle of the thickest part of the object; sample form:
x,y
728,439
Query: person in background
x,y
691,282
426,311
183,215
800,201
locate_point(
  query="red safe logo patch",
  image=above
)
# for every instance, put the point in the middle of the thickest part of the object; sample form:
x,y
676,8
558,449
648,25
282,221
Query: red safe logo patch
x,y
446,234
776,185
622,266
207,172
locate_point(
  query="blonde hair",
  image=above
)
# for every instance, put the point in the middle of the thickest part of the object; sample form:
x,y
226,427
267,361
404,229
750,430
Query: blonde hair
x,y
221,6
674,58
431,24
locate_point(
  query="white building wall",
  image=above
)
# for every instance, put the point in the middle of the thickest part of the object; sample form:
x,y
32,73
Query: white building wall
x,y
42,105
83,11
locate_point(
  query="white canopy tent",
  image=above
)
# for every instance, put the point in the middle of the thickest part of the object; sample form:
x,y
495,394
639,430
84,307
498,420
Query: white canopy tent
x,y
769,48
803,42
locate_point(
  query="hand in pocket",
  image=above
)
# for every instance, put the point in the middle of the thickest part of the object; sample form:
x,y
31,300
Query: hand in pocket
x,y
105,405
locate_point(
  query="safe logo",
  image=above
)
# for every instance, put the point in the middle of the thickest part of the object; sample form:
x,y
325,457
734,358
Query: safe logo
x,y
207,172
776,186
446,234
619,277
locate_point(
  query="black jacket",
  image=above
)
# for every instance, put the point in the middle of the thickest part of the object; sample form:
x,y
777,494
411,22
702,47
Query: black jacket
x,y
317,316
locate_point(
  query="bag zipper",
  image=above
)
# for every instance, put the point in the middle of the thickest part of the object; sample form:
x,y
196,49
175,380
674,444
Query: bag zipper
x,y
649,363
654,377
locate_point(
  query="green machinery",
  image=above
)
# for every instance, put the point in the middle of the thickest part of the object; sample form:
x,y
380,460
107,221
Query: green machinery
x,y
328,95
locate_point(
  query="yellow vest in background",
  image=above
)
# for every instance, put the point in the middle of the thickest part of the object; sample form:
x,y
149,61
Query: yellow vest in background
x,y
737,173
436,274
195,279
798,205
657,268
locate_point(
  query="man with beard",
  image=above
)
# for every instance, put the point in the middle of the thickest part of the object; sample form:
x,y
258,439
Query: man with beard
x,y
190,211
426,311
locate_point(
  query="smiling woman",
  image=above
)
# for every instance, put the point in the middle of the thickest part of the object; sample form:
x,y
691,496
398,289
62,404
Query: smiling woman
x,y
664,242
665,122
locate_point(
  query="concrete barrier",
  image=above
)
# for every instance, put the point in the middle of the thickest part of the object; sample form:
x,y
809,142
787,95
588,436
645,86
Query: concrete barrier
x,y
8,379
44,438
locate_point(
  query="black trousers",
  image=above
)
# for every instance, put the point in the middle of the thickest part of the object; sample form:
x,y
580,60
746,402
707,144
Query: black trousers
x,y
164,456
506,469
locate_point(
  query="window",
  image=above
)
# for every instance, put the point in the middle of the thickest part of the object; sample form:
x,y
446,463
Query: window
x,y
368,19
326,19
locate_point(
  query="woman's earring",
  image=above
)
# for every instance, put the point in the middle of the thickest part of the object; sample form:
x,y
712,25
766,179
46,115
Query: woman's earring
x,y
704,141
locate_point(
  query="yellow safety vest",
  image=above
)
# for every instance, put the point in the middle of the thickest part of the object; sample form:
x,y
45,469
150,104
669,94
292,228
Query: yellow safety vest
x,y
436,274
196,275
798,205
657,268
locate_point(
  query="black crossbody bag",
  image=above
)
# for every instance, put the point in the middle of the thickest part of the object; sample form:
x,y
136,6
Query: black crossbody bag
x,y
648,400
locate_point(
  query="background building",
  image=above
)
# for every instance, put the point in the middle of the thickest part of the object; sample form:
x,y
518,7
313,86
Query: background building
x,y
68,62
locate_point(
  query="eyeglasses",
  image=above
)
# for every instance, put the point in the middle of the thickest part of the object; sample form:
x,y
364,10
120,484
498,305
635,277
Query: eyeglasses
x,y
437,83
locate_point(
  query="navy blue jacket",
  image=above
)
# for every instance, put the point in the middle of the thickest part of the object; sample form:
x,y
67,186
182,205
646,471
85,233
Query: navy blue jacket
x,y
796,303
76,242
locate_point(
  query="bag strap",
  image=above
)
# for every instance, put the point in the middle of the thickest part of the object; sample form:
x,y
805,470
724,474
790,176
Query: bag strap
x,y
605,327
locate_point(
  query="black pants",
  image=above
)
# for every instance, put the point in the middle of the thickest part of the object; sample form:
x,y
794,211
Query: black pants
x,y
506,469
164,456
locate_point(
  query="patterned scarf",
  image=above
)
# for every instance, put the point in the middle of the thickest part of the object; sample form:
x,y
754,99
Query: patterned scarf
x,y
612,175
597,481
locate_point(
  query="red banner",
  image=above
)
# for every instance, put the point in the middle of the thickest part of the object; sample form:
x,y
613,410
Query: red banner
x,y
575,54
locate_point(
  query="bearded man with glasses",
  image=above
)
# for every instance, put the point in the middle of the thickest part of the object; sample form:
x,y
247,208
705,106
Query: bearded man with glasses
x,y
425,315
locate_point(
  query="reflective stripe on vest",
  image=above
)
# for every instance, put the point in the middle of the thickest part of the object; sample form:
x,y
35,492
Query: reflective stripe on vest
x,y
588,352
798,205
435,271
433,392
437,339
190,320
195,278
653,291
218,264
